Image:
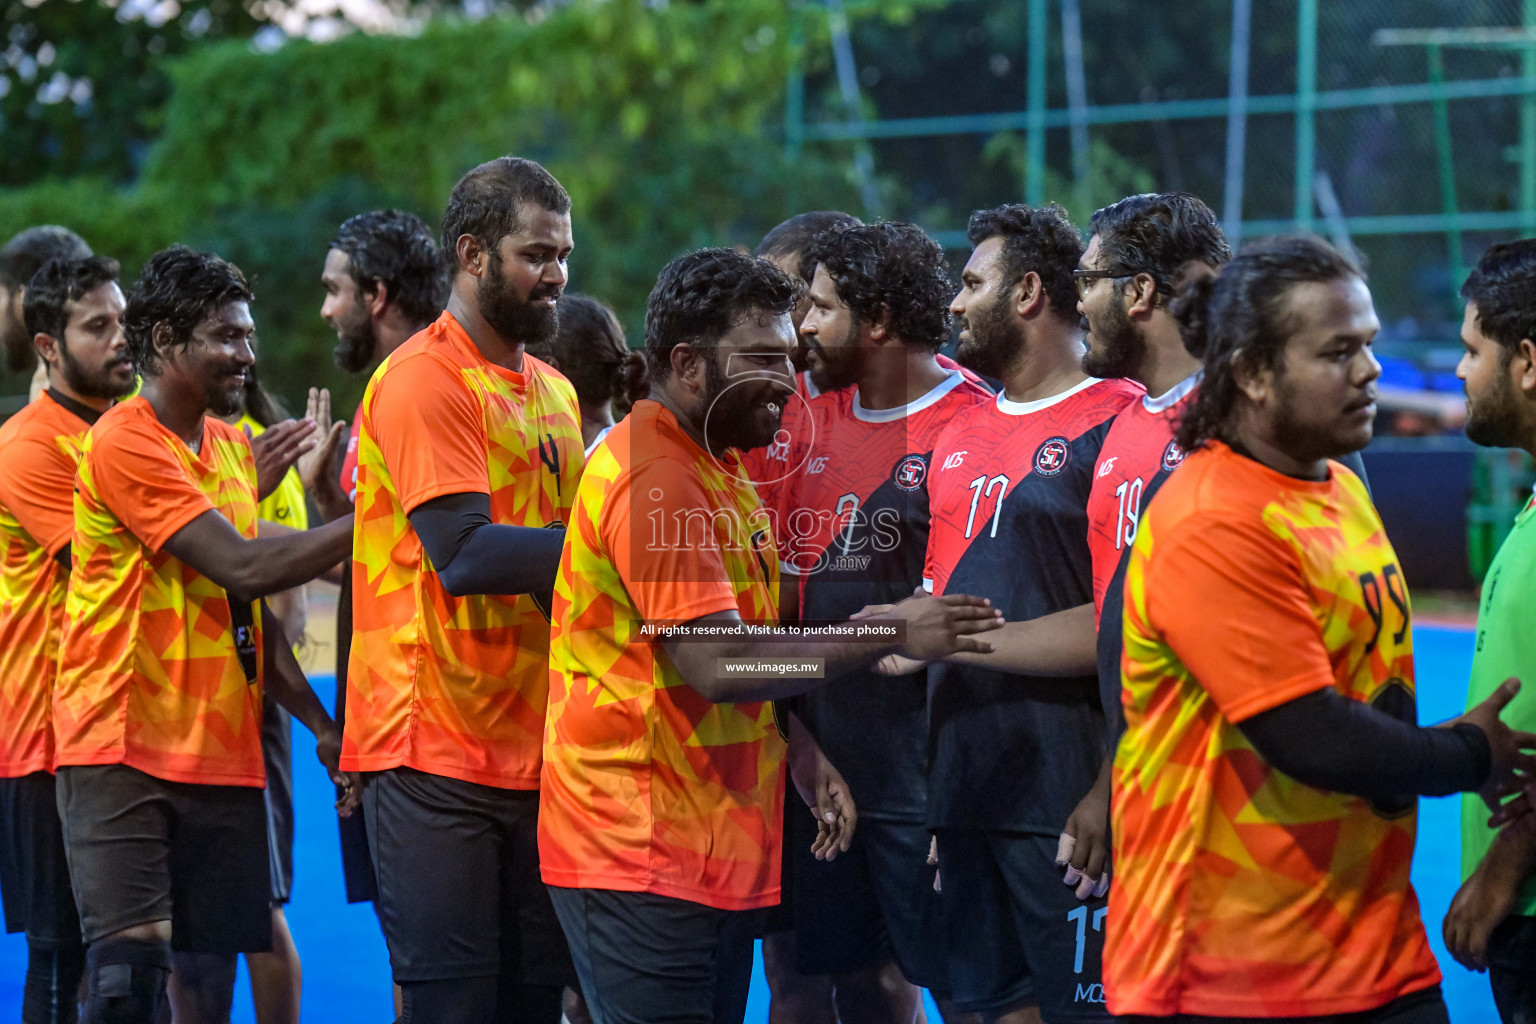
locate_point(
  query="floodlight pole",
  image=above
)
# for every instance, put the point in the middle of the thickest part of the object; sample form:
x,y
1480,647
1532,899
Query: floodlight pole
x,y
1034,150
1306,103
1237,121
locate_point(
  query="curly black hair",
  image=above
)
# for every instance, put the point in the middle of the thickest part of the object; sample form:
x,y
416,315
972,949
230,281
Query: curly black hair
x,y
1043,240
892,269
25,254
1503,288
58,285
180,288
1242,313
794,236
485,202
699,297
589,347
396,249
1159,233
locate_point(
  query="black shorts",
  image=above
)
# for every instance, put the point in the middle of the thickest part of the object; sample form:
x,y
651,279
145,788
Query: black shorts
x,y
459,889
357,874
1423,1007
142,850
34,873
277,752
649,959
1015,933
871,905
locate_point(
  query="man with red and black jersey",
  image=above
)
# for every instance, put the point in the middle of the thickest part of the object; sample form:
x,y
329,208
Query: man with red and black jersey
x,y
1011,756
786,247
854,522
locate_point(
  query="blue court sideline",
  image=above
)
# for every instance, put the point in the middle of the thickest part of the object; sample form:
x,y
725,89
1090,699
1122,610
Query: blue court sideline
x,y
347,972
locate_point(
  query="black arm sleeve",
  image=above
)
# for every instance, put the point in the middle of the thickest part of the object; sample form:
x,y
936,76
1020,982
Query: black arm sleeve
x,y
1331,742
473,555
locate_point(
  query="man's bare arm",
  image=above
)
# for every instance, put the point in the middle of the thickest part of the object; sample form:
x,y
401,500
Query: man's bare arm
x,y
933,628
252,569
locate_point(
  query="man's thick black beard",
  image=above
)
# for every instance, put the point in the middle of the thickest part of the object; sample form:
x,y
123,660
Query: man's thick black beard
x,y
727,424
1123,351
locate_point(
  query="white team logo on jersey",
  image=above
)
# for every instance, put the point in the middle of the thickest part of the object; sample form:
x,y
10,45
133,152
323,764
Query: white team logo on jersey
x,y
1107,465
1172,456
910,472
1052,456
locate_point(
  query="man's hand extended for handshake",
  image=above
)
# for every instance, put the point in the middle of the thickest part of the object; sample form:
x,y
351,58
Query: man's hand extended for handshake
x,y
937,627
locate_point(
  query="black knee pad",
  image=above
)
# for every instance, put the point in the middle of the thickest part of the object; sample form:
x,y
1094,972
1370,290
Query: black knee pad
x,y
53,980
127,980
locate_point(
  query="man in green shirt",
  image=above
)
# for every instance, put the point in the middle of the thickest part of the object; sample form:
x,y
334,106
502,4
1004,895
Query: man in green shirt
x,y
1492,922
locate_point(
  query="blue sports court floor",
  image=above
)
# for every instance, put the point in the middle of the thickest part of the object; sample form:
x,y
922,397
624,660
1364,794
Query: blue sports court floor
x,y
347,971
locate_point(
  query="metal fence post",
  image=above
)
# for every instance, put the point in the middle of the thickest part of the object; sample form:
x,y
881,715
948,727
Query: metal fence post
x,y
1237,121
1528,130
1034,152
794,100
1446,159
1306,104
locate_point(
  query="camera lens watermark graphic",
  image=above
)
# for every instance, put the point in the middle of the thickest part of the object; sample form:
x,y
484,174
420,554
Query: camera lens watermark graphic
x,y
790,444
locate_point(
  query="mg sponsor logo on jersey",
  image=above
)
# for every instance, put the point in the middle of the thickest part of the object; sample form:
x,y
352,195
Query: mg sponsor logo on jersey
x,y
779,449
953,460
1107,466
817,465
1172,456
910,472
1052,456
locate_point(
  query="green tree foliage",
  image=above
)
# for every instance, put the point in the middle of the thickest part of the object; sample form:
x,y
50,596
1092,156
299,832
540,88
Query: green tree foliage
x,y
83,82
660,121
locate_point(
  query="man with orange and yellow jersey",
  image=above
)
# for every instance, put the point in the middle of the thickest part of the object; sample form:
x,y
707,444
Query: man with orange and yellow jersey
x,y
661,817
469,451
1265,789
156,709
75,313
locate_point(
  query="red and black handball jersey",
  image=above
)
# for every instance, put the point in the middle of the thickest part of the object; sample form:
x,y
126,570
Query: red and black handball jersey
x,y
853,519
1139,444
771,467
1138,454
1008,494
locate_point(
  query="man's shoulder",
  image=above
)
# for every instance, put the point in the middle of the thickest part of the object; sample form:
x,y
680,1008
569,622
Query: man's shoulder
x,y
40,423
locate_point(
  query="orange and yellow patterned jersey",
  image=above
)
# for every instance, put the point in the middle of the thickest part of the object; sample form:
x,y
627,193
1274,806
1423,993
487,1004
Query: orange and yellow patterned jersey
x,y
39,450
149,675
648,787
453,686
1239,891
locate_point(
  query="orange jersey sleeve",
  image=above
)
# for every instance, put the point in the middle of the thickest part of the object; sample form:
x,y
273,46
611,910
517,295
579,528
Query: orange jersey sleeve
x,y
37,486
135,474
39,450
436,443
667,582
1269,647
149,675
